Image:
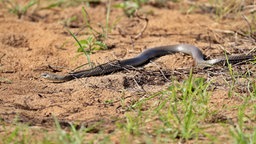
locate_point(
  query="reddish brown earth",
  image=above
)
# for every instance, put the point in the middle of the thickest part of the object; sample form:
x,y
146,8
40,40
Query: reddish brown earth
x,y
39,42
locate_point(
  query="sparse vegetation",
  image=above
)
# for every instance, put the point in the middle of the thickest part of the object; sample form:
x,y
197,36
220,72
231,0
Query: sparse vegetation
x,y
66,3
18,9
238,131
88,46
176,114
129,7
183,112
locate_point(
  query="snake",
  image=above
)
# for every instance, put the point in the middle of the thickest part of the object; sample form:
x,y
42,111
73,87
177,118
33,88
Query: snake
x,y
144,58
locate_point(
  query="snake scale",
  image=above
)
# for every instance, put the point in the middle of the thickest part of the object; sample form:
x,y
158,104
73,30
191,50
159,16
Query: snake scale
x,y
143,58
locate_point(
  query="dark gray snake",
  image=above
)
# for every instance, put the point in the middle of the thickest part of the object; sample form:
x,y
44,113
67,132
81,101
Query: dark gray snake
x,y
144,58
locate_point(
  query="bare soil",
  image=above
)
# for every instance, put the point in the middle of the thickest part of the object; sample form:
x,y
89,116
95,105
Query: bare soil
x,y
39,42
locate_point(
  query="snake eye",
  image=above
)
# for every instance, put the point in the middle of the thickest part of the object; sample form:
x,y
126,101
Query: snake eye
x,y
44,75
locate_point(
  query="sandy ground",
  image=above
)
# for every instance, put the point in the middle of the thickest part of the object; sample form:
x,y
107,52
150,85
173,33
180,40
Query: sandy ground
x,y
39,42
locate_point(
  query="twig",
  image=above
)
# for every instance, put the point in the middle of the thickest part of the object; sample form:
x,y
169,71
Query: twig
x,y
54,69
132,42
2,57
220,46
160,70
254,49
223,31
139,86
248,23
143,29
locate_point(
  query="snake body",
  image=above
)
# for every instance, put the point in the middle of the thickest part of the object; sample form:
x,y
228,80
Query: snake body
x,y
144,58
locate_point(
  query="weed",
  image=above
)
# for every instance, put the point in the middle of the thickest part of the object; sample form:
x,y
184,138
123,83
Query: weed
x,y
109,102
91,45
88,46
253,91
75,136
94,41
233,79
67,3
179,110
251,24
17,9
56,3
238,132
241,137
130,7
107,19
224,9
187,106
20,133
133,124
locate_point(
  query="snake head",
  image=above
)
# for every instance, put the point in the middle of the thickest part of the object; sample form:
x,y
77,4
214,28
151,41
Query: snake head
x,y
45,75
50,76
56,78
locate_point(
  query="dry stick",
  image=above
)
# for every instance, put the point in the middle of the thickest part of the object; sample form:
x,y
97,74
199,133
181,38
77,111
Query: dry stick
x,y
160,70
143,29
250,28
229,32
55,69
223,31
132,42
248,23
221,47
136,37
133,38
128,70
78,67
234,32
254,49
209,39
2,57
139,86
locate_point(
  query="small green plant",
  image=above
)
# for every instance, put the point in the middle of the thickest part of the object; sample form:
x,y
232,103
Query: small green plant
x,y
133,124
17,9
187,107
240,137
238,132
91,45
179,110
66,3
74,136
94,42
56,3
130,7
233,79
88,46
20,133
109,102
